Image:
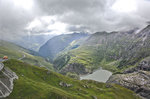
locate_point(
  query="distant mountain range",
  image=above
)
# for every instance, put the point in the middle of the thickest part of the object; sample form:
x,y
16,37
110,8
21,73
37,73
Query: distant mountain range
x,y
33,42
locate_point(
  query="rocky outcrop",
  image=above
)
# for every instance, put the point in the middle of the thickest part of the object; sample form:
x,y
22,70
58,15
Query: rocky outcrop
x,y
63,84
6,82
143,65
136,79
75,68
139,82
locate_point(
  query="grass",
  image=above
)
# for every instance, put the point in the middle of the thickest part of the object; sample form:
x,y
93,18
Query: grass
x,y
38,83
91,57
84,55
14,51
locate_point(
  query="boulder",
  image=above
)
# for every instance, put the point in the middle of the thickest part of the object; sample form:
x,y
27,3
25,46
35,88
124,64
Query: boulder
x,y
139,82
63,84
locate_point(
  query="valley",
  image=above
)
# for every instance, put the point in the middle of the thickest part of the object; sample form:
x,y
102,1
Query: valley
x,y
79,57
74,49
115,51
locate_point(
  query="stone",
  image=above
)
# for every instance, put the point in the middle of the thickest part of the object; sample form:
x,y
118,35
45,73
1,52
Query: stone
x,y
63,84
94,97
138,81
48,72
108,86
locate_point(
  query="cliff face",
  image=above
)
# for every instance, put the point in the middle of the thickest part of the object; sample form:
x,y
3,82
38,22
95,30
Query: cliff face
x,y
6,81
75,68
136,79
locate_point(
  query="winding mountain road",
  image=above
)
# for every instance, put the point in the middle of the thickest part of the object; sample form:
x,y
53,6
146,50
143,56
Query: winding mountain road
x,y
1,66
7,77
22,57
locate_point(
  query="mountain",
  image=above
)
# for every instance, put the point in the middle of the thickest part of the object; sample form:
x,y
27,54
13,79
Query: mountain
x,y
14,51
124,53
137,78
58,43
32,42
38,83
113,51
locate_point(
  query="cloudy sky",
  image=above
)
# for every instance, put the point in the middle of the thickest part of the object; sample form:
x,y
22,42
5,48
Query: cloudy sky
x,y
35,17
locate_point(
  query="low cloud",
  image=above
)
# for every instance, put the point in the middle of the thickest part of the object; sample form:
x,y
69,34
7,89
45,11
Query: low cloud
x,y
13,19
64,16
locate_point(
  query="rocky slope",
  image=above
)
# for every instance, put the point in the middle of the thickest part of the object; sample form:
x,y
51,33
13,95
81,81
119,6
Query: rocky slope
x,y
136,79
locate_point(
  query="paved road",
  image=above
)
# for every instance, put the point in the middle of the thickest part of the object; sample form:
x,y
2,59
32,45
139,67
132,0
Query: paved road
x,y
1,66
1,60
6,82
22,57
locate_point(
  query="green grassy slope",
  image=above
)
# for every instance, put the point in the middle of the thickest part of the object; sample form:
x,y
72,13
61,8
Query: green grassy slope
x,y
14,51
38,83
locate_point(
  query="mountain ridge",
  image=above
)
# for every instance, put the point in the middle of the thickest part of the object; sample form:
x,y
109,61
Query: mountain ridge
x,y
58,43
